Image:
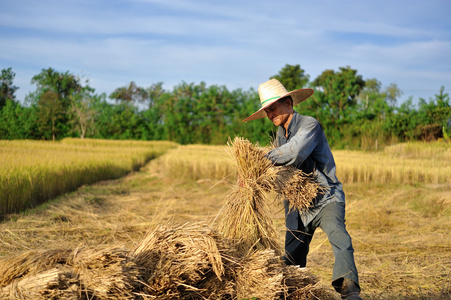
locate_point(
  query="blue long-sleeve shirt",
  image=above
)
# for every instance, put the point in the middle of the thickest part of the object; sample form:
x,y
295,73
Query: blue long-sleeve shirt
x,y
307,149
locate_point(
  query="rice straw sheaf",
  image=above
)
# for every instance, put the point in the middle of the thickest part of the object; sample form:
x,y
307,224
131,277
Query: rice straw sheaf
x,y
107,273
181,262
247,216
259,275
298,188
69,274
30,262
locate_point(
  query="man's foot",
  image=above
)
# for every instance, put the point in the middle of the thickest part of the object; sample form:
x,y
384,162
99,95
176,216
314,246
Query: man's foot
x,y
350,290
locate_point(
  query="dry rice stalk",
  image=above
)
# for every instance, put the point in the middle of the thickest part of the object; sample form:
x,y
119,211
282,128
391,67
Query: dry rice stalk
x,y
106,273
178,259
259,275
247,215
64,274
30,262
296,187
56,283
300,284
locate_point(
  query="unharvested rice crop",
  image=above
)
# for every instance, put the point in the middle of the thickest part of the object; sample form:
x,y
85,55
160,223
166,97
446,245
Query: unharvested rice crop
x,y
196,162
191,261
32,172
247,216
407,163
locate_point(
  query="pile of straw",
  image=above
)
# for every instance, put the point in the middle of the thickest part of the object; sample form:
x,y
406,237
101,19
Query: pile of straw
x,y
184,262
247,216
83,273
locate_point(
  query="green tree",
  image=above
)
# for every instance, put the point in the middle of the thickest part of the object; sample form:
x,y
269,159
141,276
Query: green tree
x,y
66,88
339,91
102,120
365,126
7,88
155,92
82,114
63,84
293,77
132,93
18,122
392,94
152,126
404,122
376,103
435,115
50,112
120,121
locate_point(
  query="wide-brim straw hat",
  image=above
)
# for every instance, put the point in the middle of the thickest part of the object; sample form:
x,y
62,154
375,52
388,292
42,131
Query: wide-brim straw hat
x,y
271,91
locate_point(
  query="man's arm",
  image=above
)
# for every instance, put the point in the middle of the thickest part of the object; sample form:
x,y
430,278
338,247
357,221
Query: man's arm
x,y
298,148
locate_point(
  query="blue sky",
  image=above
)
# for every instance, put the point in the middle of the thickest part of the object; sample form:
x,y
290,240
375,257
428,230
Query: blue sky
x,y
235,43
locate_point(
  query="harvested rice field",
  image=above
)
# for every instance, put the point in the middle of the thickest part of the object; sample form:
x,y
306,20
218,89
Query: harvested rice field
x,y
155,218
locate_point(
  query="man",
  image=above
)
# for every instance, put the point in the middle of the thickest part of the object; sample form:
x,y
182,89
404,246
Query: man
x,y
301,142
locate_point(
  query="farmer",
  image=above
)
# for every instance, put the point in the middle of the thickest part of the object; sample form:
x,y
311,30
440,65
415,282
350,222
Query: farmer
x,y
302,143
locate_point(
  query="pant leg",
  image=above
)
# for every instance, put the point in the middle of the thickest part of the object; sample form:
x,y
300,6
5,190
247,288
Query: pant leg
x,y
297,239
331,220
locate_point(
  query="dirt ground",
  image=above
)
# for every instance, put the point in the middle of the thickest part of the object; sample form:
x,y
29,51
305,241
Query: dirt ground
x,y
400,234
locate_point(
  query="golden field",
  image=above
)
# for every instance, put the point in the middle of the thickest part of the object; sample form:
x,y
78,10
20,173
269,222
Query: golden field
x,y
428,163
33,171
398,203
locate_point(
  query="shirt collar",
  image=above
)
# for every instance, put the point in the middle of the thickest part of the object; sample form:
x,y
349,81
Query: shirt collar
x,y
291,127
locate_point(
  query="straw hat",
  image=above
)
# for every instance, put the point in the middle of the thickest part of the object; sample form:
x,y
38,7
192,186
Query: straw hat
x,y
271,91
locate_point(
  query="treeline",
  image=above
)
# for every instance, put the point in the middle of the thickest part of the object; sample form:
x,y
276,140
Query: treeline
x,y
354,112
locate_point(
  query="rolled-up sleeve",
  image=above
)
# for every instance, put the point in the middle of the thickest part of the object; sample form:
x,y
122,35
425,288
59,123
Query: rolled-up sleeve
x,y
298,148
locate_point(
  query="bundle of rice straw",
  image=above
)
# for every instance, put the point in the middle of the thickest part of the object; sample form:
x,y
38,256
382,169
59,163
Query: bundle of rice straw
x,y
259,275
69,274
298,188
247,216
182,261
107,273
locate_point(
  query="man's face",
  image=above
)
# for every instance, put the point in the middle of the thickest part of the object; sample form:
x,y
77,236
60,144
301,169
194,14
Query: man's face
x,y
279,112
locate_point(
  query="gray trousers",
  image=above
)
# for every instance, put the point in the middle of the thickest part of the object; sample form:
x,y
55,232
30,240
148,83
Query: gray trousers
x,y
331,219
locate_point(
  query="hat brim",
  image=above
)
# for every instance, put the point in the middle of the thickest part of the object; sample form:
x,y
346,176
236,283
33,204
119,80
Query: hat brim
x,y
297,95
